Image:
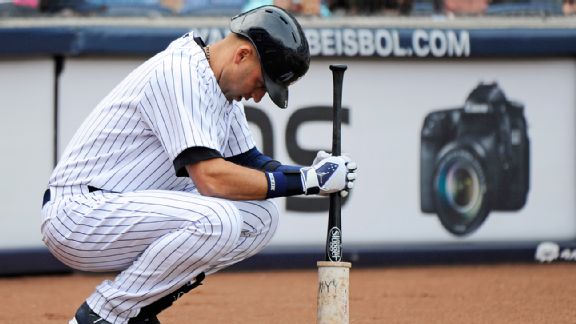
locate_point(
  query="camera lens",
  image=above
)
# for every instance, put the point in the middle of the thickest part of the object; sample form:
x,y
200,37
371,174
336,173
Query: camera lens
x,y
460,191
461,188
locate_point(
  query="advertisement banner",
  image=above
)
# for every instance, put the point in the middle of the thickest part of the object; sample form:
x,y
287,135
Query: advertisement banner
x,y
464,137
459,151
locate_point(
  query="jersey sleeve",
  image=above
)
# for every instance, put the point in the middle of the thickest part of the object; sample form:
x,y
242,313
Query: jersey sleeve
x,y
175,106
240,137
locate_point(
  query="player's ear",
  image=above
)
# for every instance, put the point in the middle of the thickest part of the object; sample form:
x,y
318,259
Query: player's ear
x,y
243,53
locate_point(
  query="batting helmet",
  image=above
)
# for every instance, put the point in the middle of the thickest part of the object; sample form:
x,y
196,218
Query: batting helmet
x,y
281,45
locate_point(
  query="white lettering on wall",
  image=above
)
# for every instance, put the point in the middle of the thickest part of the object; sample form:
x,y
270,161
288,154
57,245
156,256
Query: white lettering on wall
x,y
388,42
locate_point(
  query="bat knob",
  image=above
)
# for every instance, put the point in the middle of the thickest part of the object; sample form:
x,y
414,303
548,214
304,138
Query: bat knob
x,y
338,67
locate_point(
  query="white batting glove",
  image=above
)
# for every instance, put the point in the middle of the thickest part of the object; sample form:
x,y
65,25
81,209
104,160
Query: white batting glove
x,y
352,167
321,155
329,175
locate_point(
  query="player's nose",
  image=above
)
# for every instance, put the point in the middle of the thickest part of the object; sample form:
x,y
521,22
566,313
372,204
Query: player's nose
x,y
257,95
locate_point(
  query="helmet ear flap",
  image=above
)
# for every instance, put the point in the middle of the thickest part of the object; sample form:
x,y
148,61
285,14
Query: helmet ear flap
x,y
281,45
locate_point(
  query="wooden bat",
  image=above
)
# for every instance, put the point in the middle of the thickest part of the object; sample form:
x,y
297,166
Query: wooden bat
x,y
334,237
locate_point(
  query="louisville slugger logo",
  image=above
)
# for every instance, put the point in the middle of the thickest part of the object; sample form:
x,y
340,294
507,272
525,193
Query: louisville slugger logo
x,y
335,244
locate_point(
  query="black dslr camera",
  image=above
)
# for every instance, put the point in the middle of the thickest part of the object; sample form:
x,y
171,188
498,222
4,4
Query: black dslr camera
x,y
474,159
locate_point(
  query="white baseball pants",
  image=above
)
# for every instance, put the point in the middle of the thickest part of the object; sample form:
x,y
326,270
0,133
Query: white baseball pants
x,y
159,240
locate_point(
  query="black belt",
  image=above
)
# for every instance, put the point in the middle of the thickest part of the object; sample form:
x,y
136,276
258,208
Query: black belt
x,y
47,194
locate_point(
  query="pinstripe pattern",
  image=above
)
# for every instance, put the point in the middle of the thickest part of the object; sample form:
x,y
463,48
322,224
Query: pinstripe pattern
x,y
147,223
110,231
130,140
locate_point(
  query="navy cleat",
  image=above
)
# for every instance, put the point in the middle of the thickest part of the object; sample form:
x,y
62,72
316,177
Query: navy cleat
x,y
85,315
158,306
147,315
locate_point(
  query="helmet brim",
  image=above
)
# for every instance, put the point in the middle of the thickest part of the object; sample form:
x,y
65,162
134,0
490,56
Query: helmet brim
x,y
277,92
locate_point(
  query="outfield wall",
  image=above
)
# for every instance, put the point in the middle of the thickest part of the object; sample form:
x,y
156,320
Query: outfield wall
x,y
52,75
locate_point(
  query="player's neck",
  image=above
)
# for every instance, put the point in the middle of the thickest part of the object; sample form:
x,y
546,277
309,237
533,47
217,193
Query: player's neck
x,y
215,58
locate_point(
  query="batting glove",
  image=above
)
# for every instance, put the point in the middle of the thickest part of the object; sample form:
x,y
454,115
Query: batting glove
x,y
321,155
329,175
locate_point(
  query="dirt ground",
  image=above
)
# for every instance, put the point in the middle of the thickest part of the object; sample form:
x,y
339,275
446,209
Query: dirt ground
x,y
515,293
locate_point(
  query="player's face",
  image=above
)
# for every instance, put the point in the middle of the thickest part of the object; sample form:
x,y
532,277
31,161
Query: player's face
x,y
254,87
245,80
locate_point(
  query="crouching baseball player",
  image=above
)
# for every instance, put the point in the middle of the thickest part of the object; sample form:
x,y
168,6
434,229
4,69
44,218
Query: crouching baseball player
x,y
163,183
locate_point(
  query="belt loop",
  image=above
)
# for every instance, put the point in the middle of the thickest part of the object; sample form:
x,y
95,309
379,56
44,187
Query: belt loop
x,y
92,189
48,193
46,197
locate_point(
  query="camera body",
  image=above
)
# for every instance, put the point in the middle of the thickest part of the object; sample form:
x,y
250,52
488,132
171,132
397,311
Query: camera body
x,y
474,159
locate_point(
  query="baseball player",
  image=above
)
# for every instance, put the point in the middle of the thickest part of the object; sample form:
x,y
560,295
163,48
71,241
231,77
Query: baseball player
x,y
163,183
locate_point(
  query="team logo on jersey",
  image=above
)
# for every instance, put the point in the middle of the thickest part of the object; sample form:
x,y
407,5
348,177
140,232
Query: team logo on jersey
x,y
325,172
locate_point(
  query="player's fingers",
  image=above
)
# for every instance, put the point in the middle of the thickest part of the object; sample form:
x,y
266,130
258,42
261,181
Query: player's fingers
x,y
351,176
343,193
349,185
351,166
321,155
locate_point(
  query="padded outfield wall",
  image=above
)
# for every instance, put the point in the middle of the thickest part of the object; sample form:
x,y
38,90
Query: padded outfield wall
x,y
411,204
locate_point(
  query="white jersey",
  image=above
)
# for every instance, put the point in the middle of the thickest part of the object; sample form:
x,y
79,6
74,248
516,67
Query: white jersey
x,y
130,141
145,219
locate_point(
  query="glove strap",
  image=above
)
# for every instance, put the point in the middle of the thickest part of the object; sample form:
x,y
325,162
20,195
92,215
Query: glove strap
x,y
310,184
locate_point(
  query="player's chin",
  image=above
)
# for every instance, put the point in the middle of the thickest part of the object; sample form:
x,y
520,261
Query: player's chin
x,y
234,98
229,97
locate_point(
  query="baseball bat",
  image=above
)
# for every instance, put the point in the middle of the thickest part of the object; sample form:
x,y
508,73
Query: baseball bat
x,y
334,237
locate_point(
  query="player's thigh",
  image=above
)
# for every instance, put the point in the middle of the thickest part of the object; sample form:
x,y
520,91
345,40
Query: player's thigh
x,y
119,227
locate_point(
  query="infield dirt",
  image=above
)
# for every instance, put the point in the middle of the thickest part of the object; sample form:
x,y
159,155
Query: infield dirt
x,y
515,293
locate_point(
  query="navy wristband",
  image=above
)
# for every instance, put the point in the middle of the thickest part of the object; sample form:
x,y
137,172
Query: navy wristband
x,y
282,184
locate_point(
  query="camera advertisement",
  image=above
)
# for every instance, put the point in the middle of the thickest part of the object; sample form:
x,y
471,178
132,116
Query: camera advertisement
x,y
449,151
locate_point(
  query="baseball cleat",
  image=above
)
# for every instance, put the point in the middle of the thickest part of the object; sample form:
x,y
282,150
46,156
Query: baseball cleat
x,y
158,306
149,320
85,315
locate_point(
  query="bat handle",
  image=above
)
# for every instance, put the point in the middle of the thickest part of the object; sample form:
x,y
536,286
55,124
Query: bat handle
x,y
334,236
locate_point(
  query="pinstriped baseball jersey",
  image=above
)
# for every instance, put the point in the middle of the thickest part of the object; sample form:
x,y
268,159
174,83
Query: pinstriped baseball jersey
x,y
147,219
129,142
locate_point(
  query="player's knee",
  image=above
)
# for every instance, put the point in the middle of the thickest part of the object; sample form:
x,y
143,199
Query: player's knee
x,y
270,218
267,213
222,223
272,212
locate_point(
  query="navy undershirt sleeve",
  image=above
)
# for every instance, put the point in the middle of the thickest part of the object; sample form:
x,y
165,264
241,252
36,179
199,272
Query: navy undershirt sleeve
x,y
256,160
